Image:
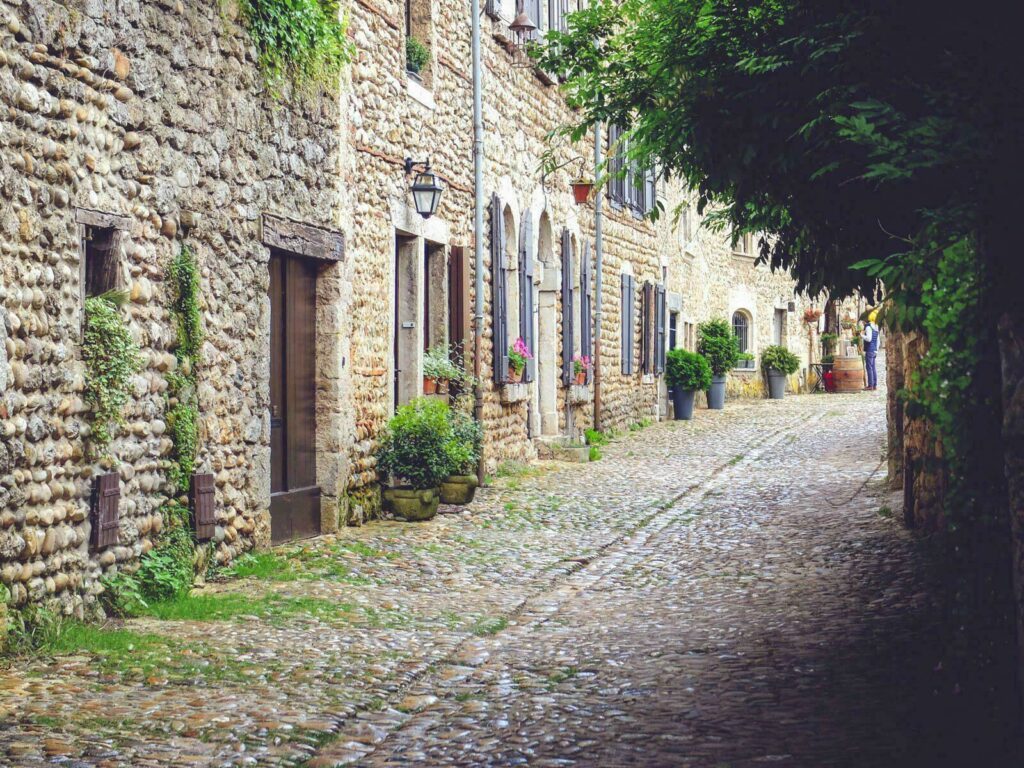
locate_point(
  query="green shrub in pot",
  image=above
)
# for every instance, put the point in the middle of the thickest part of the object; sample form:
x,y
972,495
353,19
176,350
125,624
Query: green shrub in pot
x,y
718,344
418,448
685,374
778,363
468,434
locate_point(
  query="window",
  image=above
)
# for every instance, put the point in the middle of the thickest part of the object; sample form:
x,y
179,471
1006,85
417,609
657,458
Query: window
x,y
689,337
418,40
102,261
741,329
631,186
673,330
779,327
652,329
746,244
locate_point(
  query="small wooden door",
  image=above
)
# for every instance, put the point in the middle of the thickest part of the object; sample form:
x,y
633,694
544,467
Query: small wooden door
x,y
294,494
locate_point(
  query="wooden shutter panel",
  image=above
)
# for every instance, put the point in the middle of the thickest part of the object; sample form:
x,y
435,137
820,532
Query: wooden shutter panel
x,y
650,191
202,497
646,328
567,307
499,295
632,325
625,322
614,166
659,338
526,293
586,301
106,521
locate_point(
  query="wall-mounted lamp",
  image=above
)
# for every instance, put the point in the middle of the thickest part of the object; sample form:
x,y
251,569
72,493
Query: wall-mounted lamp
x,y
426,188
524,32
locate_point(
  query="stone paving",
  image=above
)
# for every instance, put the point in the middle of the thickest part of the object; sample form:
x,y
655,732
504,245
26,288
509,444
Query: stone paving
x,y
730,591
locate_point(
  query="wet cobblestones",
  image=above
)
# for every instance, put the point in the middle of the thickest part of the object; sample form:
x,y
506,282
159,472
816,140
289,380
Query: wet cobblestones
x,y
721,592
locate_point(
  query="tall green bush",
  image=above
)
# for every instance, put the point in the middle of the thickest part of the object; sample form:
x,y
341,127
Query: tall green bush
x,y
183,400
717,343
687,371
468,434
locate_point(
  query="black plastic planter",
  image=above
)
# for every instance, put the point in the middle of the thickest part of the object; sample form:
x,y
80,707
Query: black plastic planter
x,y
716,395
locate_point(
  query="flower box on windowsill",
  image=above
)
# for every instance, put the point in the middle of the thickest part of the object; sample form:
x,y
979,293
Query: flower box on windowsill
x,y
514,392
745,365
580,393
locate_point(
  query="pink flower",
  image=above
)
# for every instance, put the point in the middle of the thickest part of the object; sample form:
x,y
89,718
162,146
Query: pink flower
x,y
520,348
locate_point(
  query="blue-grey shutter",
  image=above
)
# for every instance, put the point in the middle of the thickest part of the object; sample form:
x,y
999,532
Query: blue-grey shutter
x,y
526,293
533,10
650,190
659,338
626,323
499,294
567,307
632,325
647,328
586,307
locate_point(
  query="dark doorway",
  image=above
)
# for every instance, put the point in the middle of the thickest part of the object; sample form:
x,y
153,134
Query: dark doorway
x,y
294,494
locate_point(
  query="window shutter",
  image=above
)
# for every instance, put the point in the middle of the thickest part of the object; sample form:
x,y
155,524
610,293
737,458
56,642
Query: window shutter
x,y
650,190
201,495
586,302
647,328
499,297
533,10
106,498
567,307
627,326
659,339
526,293
614,166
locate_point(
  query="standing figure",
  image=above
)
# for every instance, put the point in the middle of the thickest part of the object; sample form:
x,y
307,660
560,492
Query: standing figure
x,y
870,337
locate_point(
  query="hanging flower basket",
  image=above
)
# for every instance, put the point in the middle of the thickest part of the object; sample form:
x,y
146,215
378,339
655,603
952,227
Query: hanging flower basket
x,y
581,190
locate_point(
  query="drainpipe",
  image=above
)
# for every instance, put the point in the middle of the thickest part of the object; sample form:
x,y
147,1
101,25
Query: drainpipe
x,y
598,256
478,225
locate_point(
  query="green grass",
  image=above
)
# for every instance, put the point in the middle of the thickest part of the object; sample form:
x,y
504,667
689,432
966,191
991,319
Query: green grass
x,y
263,565
735,460
229,605
596,437
642,424
595,453
885,512
365,550
489,625
560,676
516,469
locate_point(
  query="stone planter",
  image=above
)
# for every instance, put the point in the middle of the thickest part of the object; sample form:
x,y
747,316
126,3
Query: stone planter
x,y
682,404
412,504
716,395
776,384
579,394
514,393
458,489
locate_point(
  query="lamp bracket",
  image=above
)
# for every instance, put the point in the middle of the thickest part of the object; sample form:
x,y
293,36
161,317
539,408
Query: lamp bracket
x,y
411,165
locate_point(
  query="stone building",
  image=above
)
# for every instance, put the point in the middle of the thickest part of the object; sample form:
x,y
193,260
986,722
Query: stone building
x,y
131,131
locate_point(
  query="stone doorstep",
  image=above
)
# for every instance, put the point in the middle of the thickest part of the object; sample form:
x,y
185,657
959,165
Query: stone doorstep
x,y
559,448
514,393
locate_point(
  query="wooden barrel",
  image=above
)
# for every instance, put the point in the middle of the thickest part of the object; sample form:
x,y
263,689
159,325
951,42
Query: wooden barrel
x,y
849,374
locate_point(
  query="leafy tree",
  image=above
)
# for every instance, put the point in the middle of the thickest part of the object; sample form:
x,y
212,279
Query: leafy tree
x,y
872,144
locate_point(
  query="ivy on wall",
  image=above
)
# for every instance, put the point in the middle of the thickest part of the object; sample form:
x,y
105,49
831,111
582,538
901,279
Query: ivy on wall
x,y
111,359
183,394
302,42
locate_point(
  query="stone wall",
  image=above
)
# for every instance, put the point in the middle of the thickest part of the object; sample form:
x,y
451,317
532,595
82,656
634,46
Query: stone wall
x,y
154,112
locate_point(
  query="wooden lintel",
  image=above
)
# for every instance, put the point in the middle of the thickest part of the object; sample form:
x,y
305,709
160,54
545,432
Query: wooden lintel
x,y
302,239
93,218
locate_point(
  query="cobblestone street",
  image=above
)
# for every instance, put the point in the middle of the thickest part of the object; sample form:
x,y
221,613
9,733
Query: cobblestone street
x,y
731,591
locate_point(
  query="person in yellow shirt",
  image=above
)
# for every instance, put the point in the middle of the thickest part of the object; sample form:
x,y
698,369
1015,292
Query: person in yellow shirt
x,y
870,337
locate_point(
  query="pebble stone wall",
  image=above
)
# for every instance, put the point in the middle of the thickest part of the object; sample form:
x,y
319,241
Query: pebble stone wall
x,y
153,111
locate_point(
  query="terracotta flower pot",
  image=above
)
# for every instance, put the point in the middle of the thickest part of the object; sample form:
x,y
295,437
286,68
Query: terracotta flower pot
x,y
581,377
442,386
514,376
412,504
458,489
429,385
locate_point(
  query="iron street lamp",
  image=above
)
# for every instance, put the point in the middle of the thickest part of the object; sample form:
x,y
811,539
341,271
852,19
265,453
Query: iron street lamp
x,y
426,188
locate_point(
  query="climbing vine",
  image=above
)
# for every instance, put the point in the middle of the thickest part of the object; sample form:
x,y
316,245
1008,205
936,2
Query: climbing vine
x,y
303,42
111,358
183,399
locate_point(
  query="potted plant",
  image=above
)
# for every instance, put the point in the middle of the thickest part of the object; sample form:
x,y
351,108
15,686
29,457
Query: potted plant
x,y
778,363
828,343
580,367
811,315
746,360
827,361
416,56
717,343
417,448
581,189
685,373
468,436
438,370
518,355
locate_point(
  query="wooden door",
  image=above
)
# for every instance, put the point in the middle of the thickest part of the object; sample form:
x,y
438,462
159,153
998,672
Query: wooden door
x,y
294,494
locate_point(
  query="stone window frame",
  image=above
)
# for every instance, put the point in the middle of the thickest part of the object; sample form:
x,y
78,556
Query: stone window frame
x,y
89,221
748,327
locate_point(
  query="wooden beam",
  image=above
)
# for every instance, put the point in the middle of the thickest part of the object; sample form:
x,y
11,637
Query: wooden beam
x,y
302,239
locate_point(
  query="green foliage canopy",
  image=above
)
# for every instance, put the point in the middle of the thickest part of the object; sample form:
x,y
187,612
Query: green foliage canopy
x,y
717,343
418,445
779,359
